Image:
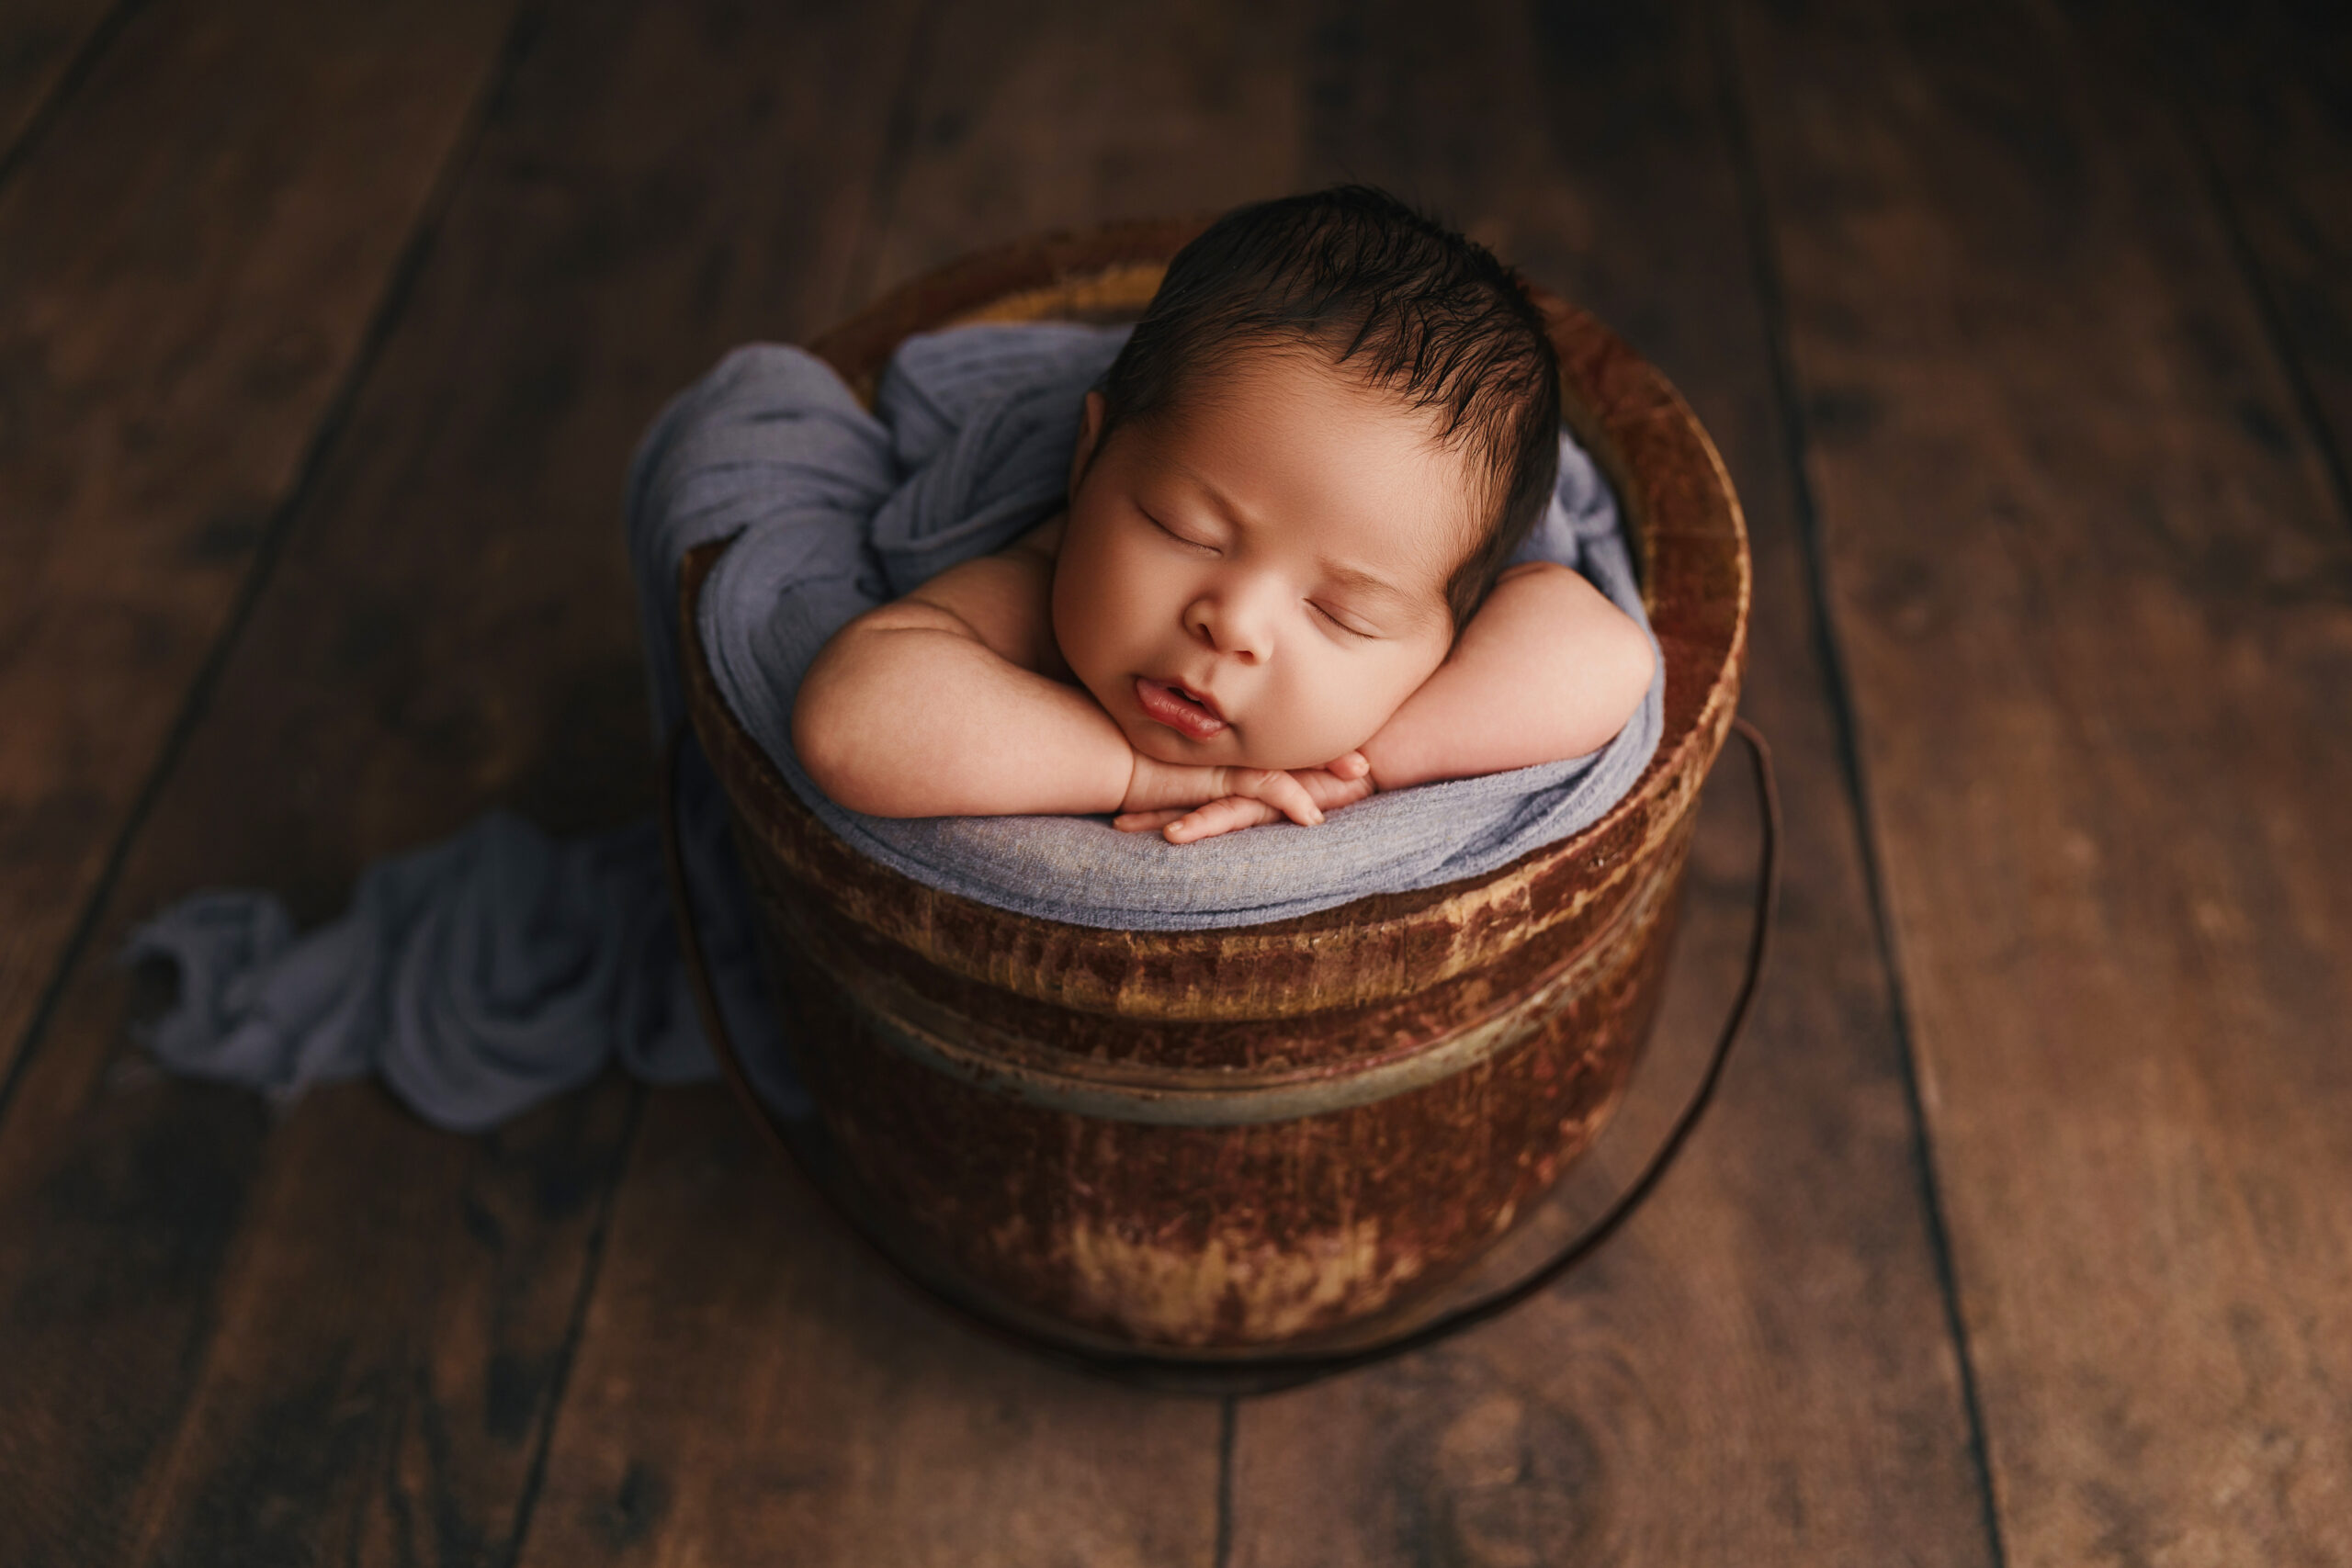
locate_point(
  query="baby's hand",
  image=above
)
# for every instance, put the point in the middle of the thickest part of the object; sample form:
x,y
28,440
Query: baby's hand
x,y
1255,795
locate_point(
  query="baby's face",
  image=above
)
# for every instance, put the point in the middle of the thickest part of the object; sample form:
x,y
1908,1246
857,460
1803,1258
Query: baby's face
x,y
1257,575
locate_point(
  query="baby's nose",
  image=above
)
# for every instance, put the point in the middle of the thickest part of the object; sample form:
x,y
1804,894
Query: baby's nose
x,y
1234,622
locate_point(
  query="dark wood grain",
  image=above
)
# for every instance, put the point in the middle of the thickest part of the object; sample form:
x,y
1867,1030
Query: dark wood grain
x,y
753,1386
1758,1370
2269,92
40,41
340,1337
189,263
1046,114
388,1333
2096,604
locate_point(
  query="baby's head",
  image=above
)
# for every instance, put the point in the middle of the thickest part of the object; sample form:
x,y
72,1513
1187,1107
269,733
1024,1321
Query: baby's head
x,y
1329,433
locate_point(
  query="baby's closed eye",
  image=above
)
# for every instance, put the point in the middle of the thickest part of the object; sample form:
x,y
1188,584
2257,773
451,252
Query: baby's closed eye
x,y
1197,547
1342,619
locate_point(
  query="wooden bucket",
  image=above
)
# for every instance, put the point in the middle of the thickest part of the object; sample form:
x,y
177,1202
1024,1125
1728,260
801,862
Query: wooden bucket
x,y
1207,1142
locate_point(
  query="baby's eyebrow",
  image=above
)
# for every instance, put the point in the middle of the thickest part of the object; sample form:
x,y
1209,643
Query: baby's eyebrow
x,y
1355,579
1216,497
1386,597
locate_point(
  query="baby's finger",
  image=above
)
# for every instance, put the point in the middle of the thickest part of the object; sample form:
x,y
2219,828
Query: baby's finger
x,y
1147,821
1329,792
1225,816
1349,765
1283,793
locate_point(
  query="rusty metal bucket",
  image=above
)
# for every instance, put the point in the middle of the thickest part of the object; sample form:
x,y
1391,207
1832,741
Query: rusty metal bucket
x,y
1204,1143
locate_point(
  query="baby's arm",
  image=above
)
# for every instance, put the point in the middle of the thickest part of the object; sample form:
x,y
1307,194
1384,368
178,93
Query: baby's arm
x,y
936,704
1548,669
946,703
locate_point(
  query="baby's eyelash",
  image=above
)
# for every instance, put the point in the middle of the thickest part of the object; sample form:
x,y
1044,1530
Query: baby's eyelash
x,y
1173,534
1336,621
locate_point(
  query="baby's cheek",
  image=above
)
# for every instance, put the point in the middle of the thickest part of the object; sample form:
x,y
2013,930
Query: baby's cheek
x,y
1357,709
1316,725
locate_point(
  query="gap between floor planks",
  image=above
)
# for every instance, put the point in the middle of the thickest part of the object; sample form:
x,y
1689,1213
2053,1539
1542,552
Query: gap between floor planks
x,y
2022,353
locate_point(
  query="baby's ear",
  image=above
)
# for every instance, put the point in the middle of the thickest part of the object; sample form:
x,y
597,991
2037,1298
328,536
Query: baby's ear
x,y
1090,427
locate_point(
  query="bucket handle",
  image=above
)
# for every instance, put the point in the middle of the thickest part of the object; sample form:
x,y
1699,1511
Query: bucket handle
x,y
1273,1373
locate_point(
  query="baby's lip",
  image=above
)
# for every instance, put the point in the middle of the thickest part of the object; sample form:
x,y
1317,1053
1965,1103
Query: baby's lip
x,y
1179,708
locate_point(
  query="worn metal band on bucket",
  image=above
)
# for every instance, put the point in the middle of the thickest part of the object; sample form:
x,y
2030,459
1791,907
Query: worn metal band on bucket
x,y
1034,1072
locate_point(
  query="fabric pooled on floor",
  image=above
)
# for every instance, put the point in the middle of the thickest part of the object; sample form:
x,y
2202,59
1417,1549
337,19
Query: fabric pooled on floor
x,y
482,973
447,975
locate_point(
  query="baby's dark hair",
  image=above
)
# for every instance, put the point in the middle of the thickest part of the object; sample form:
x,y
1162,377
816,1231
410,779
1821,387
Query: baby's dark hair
x,y
1418,309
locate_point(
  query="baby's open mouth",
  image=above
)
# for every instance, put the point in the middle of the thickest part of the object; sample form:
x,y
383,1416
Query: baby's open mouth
x,y
1178,708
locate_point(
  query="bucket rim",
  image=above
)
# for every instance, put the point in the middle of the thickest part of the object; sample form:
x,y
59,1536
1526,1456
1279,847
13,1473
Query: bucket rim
x,y
1682,516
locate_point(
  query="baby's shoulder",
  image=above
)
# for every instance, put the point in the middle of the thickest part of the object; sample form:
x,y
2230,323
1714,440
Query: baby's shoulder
x,y
1005,599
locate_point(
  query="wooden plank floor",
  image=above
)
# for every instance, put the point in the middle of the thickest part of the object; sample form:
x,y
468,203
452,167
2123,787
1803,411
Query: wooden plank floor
x,y
2023,1233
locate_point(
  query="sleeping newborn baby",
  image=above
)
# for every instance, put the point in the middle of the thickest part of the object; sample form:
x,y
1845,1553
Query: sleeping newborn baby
x,y
1281,581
